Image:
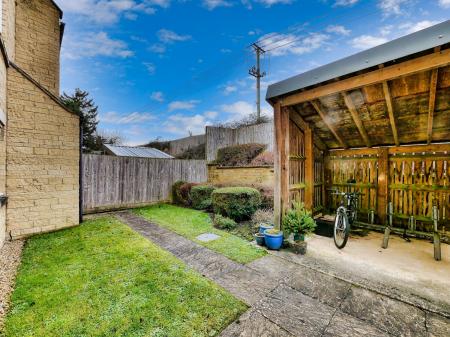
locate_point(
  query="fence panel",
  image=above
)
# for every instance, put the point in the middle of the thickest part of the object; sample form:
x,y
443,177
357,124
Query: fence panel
x,y
217,137
117,182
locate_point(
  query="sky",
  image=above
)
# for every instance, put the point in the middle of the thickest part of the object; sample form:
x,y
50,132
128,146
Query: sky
x,y
167,68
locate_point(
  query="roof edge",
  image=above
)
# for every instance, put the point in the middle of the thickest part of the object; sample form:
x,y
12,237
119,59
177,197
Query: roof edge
x,y
61,13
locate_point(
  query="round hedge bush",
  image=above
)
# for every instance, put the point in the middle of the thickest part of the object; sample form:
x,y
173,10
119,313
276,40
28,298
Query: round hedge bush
x,y
201,196
223,222
237,203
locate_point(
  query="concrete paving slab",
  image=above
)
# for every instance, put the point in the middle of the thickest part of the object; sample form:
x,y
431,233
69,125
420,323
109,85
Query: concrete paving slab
x,y
437,326
207,237
327,289
394,317
273,266
343,325
246,284
253,324
295,312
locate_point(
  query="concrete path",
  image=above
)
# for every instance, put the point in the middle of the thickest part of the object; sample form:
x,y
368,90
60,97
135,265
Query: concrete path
x,y
289,299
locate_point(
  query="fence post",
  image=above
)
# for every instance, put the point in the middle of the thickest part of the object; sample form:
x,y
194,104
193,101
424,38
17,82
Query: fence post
x,y
382,184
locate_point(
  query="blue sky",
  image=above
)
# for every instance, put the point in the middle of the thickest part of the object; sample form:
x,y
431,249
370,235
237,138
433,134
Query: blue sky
x,y
164,68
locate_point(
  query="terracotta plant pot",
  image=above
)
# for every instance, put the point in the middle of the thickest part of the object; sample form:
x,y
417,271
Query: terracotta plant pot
x,y
299,247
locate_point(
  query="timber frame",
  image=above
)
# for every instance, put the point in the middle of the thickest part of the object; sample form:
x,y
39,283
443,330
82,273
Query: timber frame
x,y
384,131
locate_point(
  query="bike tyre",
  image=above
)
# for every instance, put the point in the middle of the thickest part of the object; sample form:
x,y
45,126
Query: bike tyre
x,y
342,244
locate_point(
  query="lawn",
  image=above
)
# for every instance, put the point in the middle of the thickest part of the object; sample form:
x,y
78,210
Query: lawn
x,y
103,279
191,223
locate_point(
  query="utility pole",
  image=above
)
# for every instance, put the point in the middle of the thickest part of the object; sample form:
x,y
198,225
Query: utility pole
x,y
255,71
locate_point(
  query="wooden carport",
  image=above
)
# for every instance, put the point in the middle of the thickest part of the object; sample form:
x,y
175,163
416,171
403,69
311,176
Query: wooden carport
x,y
381,118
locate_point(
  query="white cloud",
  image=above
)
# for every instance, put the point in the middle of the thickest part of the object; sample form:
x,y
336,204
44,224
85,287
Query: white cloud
x,y
183,105
283,44
157,96
392,7
345,3
410,27
229,89
150,67
157,48
213,4
241,109
168,36
367,41
338,29
181,124
269,3
94,44
225,50
108,12
211,114
444,3
113,117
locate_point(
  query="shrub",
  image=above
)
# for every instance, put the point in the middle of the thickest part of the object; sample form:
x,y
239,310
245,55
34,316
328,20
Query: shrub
x,y
262,216
201,196
263,159
238,203
196,152
223,222
176,193
181,193
266,198
298,221
238,155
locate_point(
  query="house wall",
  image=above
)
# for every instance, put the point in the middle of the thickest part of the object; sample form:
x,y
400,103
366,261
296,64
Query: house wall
x,y
38,41
42,160
8,27
2,147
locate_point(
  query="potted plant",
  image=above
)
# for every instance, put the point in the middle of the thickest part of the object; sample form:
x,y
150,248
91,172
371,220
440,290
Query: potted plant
x,y
264,226
259,238
299,222
273,238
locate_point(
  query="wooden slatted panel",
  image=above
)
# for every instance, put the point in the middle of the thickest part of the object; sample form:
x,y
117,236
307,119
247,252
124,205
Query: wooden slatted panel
x,y
417,181
296,163
115,182
319,183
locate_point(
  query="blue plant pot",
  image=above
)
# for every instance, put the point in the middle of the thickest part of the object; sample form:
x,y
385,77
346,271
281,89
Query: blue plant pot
x,y
264,227
273,241
259,238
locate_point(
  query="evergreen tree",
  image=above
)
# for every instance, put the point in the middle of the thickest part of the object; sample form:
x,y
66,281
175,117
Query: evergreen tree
x,y
84,106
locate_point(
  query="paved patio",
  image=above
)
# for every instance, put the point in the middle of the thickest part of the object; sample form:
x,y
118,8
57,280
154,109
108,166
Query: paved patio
x,y
288,297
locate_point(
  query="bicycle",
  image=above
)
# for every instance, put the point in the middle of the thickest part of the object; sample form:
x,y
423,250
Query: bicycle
x,y
346,215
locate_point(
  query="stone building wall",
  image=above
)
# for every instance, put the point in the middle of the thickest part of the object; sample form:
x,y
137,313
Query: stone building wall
x,y
38,37
42,160
261,177
2,147
8,27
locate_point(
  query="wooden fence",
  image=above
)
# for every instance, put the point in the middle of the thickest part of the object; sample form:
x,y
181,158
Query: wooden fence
x,y
119,182
217,137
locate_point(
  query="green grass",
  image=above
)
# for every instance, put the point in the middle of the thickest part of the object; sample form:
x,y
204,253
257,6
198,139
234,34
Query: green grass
x,y
103,279
191,223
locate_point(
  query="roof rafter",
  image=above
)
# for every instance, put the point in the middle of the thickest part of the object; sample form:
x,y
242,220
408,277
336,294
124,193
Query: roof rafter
x,y
390,109
329,125
419,64
432,103
355,116
303,125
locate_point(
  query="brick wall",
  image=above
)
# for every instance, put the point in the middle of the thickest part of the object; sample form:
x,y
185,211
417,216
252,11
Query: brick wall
x,y
42,160
38,41
241,176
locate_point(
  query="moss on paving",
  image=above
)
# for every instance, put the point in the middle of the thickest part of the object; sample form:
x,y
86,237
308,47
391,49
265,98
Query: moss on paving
x,y
103,279
191,223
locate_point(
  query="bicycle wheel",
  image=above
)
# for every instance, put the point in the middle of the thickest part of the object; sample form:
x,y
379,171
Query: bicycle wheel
x,y
341,229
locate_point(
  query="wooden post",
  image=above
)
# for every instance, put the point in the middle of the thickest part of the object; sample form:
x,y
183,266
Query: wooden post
x,y
383,181
309,169
277,163
284,158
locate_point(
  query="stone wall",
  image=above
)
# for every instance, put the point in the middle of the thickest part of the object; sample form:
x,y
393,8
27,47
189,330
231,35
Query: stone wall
x,y
2,147
8,27
42,160
261,177
38,35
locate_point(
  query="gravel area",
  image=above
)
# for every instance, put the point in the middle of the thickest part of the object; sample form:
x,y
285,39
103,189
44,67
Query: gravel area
x,y
10,255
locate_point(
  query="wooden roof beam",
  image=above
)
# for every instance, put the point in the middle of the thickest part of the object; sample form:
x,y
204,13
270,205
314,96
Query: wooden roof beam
x,y
303,125
432,103
390,108
419,64
328,124
355,116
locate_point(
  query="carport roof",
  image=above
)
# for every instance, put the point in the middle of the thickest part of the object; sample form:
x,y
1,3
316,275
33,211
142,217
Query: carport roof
x,y
411,44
